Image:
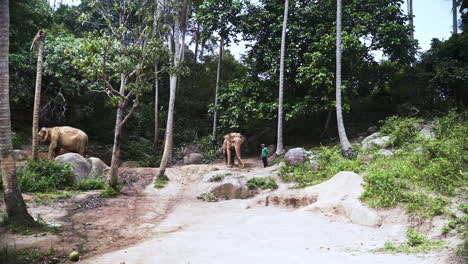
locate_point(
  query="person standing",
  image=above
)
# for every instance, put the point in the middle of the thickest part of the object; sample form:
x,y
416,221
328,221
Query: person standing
x,y
264,156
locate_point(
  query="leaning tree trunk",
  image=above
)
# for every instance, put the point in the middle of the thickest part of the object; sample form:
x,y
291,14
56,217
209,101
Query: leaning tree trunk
x,y
279,144
454,16
115,162
218,73
177,55
40,40
156,106
345,145
14,203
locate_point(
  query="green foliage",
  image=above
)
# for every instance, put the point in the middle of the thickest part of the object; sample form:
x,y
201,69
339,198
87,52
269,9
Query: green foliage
x,y
110,191
262,183
91,184
51,197
401,129
427,246
208,197
463,207
330,162
161,182
414,238
439,168
23,256
45,176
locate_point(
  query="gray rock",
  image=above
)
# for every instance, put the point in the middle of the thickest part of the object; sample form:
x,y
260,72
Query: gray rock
x,y
193,158
295,156
233,188
313,164
98,168
381,142
372,129
371,137
20,155
419,150
426,132
386,152
130,164
360,138
80,166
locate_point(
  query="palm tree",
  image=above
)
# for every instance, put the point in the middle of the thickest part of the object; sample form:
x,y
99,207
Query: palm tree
x,y
279,144
39,40
346,148
178,42
218,73
410,17
454,16
14,203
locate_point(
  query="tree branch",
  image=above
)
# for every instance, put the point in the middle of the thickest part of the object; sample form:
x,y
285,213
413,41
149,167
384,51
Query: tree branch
x,y
135,104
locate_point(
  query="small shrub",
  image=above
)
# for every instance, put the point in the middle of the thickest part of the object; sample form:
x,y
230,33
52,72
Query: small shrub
x,y
463,207
161,182
208,197
45,176
91,184
110,191
50,197
414,238
401,129
262,183
423,205
23,256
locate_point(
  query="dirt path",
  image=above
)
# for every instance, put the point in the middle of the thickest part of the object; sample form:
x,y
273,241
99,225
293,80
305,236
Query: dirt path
x,y
180,229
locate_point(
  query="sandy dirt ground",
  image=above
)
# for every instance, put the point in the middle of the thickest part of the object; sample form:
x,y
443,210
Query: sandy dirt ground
x,y
169,225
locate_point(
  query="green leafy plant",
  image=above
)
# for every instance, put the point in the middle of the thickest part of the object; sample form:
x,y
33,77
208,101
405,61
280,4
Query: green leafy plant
x,y
91,184
414,238
110,191
45,176
161,182
23,256
262,183
401,129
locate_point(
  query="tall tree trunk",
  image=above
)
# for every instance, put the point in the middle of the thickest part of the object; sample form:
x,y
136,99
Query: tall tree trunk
x,y
197,41
279,144
218,74
345,145
410,17
115,162
156,106
14,203
454,16
40,40
202,51
177,55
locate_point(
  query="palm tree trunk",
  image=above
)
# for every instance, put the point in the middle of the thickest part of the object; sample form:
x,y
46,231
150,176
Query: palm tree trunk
x,y
345,145
454,15
177,54
156,106
115,161
14,203
410,17
218,74
40,37
279,144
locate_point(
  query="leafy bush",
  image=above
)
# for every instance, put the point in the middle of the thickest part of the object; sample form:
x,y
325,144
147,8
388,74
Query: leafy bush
x,y
330,162
415,238
110,191
401,129
160,182
262,183
45,176
91,184
423,205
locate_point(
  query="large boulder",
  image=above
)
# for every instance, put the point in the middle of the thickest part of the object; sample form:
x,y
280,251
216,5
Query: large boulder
x,y
20,155
81,167
371,137
193,158
385,152
295,156
233,188
130,164
426,132
380,142
99,169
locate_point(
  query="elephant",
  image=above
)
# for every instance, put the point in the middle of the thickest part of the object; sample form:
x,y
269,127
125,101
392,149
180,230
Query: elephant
x,y
65,137
232,143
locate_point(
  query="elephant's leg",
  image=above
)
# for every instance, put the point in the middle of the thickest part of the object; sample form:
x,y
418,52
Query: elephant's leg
x,y
229,157
238,155
52,151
